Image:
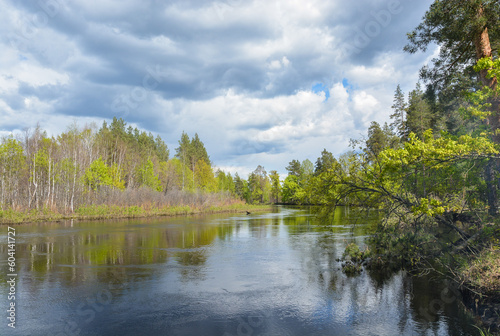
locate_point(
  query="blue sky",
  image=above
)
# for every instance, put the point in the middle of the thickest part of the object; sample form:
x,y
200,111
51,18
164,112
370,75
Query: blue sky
x,y
261,82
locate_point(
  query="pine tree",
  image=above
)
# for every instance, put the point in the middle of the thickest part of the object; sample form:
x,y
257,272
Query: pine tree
x,y
376,142
466,31
324,162
399,115
275,186
183,153
419,114
293,168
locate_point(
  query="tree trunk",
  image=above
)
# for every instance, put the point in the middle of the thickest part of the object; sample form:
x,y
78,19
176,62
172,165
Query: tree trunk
x,y
483,49
74,183
491,193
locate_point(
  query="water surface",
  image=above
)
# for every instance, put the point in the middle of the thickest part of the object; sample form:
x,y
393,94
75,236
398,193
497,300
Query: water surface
x,y
265,274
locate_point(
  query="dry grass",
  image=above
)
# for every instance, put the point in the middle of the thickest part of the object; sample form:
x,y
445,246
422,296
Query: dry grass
x,y
483,273
135,203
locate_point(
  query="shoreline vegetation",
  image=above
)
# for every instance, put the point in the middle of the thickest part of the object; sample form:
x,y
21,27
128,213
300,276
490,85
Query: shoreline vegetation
x,y
112,212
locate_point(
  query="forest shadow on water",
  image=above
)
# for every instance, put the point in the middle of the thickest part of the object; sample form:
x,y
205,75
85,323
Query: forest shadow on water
x,y
275,273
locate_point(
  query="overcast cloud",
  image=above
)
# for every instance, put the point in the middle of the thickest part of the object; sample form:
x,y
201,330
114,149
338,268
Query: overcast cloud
x,y
261,82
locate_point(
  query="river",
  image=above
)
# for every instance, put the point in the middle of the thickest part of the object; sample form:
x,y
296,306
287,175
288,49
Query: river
x,y
263,274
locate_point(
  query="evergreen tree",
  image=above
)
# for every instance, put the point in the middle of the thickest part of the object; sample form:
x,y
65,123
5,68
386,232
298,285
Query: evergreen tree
x,y
324,162
293,168
162,151
198,151
275,186
241,188
377,140
466,31
183,153
419,114
399,115
259,186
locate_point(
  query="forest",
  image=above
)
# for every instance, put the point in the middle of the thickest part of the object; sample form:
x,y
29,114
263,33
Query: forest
x,y
88,168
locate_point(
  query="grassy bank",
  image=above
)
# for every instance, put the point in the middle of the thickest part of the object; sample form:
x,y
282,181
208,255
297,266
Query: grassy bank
x,y
99,212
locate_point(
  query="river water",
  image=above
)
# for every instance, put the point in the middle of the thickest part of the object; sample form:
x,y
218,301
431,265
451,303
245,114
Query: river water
x,y
265,274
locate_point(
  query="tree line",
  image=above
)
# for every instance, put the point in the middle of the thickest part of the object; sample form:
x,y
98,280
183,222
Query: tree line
x,y
88,165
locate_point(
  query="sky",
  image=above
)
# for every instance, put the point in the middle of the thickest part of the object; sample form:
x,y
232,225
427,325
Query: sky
x,y
262,82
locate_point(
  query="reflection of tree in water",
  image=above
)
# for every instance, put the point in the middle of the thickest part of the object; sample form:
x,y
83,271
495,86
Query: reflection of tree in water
x,y
89,251
434,298
259,226
192,263
381,274
318,262
316,252
388,293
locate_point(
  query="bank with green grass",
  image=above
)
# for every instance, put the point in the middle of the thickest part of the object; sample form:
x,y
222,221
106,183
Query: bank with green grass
x,y
99,212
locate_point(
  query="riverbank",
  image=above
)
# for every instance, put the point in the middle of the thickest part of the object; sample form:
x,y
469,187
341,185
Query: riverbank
x,y
481,293
100,212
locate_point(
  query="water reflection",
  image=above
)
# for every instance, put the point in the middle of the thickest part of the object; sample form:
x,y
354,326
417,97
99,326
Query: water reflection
x,y
266,274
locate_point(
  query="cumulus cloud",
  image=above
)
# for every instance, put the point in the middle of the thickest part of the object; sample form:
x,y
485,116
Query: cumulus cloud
x,y
261,82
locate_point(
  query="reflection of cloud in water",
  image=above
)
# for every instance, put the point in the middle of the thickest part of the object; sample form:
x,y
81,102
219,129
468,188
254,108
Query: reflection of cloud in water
x,y
273,274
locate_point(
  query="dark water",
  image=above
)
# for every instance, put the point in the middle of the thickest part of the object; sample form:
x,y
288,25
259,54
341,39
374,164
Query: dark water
x,y
265,274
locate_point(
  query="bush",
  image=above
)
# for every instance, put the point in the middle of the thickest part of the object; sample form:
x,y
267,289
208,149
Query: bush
x,y
353,258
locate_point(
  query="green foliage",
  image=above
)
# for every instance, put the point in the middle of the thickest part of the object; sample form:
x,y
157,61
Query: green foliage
x,y
419,113
294,168
378,140
275,186
12,156
297,186
225,182
291,189
438,168
241,188
354,254
147,176
259,186
324,162
483,332
99,174
455,26
430,207
205,179
13,168
353,258
488,63
399,115
192,153
480,101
